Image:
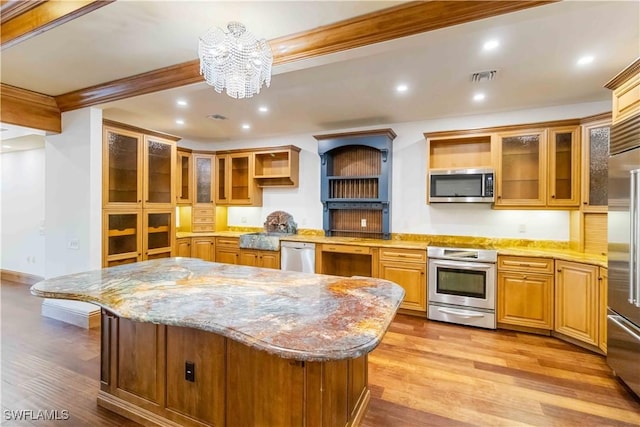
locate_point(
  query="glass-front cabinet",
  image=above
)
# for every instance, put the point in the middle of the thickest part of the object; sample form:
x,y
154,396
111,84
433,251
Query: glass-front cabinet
x,y
595,166
159,167
203,179
122,154
184,168
159,234
122,237
235,184
521,174
564,167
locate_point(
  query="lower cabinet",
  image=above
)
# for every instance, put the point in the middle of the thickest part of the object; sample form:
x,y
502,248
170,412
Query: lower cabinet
x,y
577,308
183,247
407,268
259,258
602,315
525,292
203,248
227,250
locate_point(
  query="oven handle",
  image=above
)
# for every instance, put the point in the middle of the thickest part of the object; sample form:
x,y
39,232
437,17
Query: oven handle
x,y
462,265
460,313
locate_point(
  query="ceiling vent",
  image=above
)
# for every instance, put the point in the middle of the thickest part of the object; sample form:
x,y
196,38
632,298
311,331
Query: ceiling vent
x,y
484,75
216,117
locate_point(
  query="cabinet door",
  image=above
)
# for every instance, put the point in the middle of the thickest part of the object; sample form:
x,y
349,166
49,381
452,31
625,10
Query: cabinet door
x,y
412,277
525,299
159,167
521,174
184,174
577,308
564,167
595,167
183,247
203,248
222,191
159,233
122,238
122,168
240,178
270,259
249,257
203,180
602,316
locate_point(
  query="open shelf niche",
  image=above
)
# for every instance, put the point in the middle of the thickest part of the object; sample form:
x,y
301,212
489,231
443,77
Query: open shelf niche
x,y
355,176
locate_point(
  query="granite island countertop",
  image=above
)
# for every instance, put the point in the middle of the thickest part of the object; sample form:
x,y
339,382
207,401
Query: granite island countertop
x,y
293,315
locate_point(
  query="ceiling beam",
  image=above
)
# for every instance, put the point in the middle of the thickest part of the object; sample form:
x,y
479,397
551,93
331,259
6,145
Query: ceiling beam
x,y
9,9
388,24
30,109
28,22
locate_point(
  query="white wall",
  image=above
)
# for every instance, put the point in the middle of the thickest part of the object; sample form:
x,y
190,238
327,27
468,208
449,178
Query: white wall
x,y
22,212
73,173
409,211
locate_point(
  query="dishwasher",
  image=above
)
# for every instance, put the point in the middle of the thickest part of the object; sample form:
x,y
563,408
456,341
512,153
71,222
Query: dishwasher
x,y
298,256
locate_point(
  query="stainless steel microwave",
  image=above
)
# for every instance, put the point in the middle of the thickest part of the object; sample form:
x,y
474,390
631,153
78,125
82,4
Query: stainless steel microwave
x,y
461,186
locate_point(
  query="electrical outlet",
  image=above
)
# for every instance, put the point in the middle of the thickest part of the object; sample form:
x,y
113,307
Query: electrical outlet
x,y
363,222
190,371
522,228
73,244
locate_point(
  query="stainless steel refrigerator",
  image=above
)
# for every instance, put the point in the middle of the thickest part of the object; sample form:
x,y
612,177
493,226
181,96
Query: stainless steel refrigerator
x,y
623,316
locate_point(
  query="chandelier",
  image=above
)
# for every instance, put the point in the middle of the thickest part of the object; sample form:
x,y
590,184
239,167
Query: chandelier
x,y
235,60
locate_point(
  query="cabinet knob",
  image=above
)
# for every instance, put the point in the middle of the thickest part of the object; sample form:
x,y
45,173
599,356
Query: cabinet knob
x,y
524,277
553,196
499,197
585,203
559,270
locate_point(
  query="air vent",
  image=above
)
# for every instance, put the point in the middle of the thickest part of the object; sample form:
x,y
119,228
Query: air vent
x,y
484,75
216,117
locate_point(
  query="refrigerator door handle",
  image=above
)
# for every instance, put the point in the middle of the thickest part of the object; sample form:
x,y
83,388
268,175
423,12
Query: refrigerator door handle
x,y
633,238
624,325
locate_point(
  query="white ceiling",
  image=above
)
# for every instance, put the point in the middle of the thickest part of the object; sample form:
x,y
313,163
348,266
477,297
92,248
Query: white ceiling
x,y
536,63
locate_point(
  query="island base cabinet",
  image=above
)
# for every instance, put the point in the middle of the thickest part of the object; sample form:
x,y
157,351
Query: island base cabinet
x,y
171,376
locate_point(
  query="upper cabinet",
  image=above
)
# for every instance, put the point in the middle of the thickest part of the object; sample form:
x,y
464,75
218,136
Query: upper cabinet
x,y
235,185
138,168
595,158
203,180
539,168
184,171
277,167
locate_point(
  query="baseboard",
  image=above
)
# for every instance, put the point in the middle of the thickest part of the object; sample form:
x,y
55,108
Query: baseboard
x,y
18,277
77,313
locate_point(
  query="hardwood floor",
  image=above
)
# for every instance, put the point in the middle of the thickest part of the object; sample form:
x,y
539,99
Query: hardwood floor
x,y
423,374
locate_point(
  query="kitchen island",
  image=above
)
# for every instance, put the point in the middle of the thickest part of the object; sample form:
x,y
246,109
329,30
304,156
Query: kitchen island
x,y
187,342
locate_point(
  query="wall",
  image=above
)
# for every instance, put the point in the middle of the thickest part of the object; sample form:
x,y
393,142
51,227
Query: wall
x,y
73,174
22,212
409,211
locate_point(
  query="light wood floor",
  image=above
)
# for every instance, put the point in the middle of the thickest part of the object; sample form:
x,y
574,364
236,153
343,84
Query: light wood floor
x,y
423,374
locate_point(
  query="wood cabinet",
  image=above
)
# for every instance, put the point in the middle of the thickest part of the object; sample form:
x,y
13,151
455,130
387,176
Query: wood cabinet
x,y
525,292
626,93
159,161
595,158
227,250
203,212
122,237
235,185
346,260
577,305
260,258
183,247
184,176
203,248
122,168
277,167
602,314
407,268
564,167
159,233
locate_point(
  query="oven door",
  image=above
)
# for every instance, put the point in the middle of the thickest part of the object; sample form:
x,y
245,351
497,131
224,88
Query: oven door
x,y
468,284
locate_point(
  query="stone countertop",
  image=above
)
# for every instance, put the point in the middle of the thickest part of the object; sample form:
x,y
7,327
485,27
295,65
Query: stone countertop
x,y
293,315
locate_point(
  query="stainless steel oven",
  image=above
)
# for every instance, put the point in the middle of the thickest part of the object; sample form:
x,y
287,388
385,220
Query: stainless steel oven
x,y
462,286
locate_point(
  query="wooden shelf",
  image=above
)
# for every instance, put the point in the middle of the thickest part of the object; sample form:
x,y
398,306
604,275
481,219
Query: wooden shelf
x,y
124,232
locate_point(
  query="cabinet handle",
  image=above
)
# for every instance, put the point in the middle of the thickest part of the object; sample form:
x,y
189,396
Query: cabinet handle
x,y
524,277
499,197
585,203
553,196
559,270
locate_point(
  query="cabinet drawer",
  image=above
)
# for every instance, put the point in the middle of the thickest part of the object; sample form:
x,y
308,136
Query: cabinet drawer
x,y
403,255
203,212
530,264
229,242
204,219
347,249
198,228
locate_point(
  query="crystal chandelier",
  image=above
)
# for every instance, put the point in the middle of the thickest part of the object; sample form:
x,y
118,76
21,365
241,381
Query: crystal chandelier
x,y
235,60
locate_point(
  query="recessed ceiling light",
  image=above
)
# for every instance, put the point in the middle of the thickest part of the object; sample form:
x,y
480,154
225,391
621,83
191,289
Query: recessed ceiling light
x,y
588,59
491,44
402,88
7,146
181,103
263,109
3,129
246,126
179,121
478,97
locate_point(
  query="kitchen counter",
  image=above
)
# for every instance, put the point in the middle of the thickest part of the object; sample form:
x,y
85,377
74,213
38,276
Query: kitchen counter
x,y
288,314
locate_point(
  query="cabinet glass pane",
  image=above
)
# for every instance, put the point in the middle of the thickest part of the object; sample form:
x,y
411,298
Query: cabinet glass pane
x,y
185,174
123,168
240,178
222,179
122,234
598,161
159,172
203,180
159,227
521,167
563,166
